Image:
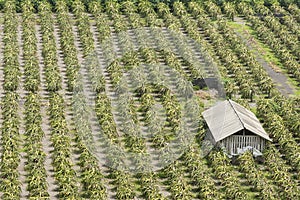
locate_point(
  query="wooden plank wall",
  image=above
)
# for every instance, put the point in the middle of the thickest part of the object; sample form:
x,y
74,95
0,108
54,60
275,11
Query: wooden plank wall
x,y
233,142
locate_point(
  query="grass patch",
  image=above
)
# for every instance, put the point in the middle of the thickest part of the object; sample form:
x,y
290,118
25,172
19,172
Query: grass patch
x,y
296,86
267,53
263,50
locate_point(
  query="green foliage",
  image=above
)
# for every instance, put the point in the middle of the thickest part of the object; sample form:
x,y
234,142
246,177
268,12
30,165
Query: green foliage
x,y
187,177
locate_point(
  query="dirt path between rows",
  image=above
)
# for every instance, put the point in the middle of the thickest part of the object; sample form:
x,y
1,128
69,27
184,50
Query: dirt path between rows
x,y
46,142
1,83
280,79
22,96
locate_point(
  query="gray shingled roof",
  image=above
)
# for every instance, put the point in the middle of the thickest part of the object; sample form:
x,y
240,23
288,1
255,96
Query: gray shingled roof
x,y
228,117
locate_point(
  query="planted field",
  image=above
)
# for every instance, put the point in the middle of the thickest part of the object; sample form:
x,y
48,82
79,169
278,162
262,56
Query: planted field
x,y
104,100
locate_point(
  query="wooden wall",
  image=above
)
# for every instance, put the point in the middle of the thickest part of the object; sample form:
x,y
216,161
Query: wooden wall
x,y
233,142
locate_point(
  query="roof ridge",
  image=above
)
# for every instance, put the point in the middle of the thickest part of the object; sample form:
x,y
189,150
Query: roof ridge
x,y
230,102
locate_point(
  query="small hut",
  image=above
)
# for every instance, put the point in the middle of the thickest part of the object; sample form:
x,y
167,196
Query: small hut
x,y
233,127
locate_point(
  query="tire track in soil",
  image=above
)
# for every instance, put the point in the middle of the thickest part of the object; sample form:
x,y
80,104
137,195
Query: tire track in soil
x,y
22,96
46,141
67,96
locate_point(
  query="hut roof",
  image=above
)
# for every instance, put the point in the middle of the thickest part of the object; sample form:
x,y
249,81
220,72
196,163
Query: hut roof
x,y
229,117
